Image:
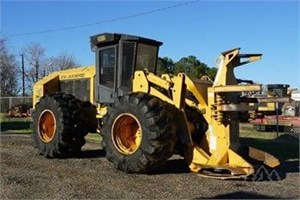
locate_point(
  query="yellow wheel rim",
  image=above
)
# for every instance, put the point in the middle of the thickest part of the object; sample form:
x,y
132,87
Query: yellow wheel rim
x,y
47,126
126,134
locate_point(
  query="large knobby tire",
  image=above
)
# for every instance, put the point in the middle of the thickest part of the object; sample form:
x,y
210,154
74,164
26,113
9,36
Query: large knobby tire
x,y
57,128
198,121
88,117
138,133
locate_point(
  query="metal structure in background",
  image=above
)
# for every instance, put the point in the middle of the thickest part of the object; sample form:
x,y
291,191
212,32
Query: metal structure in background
x,y
280,113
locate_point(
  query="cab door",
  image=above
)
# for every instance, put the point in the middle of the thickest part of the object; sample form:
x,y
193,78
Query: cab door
x,y
126,67
107,74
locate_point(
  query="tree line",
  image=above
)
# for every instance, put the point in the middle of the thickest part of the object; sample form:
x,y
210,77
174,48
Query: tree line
x,y
190,65
38,65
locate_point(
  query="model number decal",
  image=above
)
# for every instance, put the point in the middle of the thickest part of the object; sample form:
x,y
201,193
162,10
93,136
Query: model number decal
x,y
72,76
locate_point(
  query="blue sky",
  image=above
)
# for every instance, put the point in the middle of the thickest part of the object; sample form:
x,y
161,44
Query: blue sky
x,y
203,28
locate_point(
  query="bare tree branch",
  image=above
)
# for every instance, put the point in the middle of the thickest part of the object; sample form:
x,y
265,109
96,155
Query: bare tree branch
x,y
8,71
34,55
61,62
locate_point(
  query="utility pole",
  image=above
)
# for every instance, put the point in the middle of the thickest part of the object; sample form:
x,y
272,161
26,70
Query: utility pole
x,y
23,75
37,71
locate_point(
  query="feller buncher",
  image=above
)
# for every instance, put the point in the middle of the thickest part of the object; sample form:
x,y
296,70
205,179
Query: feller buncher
x,y
145,118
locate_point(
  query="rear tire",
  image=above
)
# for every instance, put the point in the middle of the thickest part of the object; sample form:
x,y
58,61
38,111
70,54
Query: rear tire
x,y
88,117
57,128
138,133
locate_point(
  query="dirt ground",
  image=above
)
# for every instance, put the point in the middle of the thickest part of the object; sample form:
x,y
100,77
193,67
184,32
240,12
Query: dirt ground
x,y
27,175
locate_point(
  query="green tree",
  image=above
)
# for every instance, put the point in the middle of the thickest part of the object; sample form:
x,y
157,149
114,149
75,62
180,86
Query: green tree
x,y
165,65
212,72
191,66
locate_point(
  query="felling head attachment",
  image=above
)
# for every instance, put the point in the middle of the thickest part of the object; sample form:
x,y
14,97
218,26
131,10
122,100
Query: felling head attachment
x,y
217,156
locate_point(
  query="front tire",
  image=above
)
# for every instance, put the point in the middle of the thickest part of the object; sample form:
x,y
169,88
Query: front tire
x,y
57,128
138,133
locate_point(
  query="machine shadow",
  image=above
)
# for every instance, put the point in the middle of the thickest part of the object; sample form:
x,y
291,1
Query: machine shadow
x,y
87,154
239,195
174,166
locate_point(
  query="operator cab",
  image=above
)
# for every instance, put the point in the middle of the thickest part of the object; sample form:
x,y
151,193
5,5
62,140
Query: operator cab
x,y
118,56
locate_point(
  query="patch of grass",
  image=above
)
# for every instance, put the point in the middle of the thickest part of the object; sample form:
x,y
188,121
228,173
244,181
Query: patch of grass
x,y
247,130
284,147
94,137
15,124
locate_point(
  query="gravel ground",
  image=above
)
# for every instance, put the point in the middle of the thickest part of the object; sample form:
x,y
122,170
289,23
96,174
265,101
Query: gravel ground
x,y
26,175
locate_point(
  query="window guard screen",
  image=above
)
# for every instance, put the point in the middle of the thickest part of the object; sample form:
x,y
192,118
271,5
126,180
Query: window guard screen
x,y
146,57
127,64
107,67
80,88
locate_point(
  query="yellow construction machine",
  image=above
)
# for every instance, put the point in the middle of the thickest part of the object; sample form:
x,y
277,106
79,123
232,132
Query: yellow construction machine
x,y
144,118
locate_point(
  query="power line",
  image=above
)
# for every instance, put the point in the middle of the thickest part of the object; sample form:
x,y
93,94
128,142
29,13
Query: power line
x,y
101,22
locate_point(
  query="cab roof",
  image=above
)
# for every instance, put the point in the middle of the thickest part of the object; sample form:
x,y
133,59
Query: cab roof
x,y
106,39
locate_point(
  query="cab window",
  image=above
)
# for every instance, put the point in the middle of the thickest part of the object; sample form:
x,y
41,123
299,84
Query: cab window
x,y
107,59
146,57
